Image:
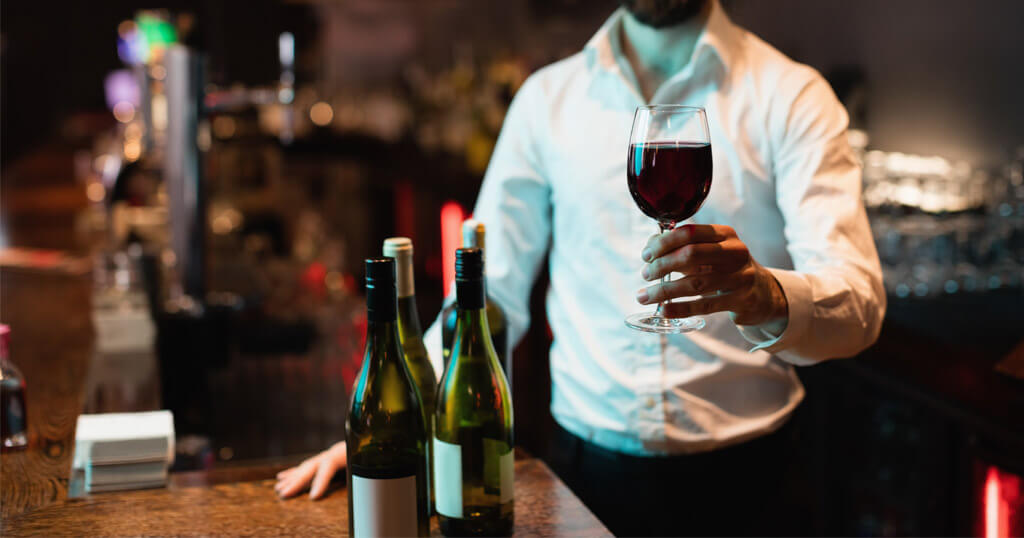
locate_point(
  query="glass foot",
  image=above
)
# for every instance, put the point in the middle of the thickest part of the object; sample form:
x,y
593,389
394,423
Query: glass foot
x,y
653,323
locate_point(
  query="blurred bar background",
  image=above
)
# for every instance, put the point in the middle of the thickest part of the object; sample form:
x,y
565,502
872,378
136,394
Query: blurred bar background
x,y
188,192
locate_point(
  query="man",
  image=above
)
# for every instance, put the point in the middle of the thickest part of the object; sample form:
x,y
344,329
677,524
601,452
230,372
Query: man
x,y
670,435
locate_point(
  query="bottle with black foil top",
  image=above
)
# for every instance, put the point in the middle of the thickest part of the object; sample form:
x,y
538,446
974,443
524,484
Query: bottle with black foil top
x,y
385,431
473,437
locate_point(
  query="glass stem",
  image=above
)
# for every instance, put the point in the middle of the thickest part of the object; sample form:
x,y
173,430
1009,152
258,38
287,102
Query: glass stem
x,y
665,227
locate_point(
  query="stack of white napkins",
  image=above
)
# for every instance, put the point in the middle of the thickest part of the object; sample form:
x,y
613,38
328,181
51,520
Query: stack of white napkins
x,y
121,451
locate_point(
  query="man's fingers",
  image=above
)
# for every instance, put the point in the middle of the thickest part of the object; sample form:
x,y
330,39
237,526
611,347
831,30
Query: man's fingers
x,y
283,478
694,285
319,470
699,258
707,305
324,472
296,482
298,479
290,487
687,234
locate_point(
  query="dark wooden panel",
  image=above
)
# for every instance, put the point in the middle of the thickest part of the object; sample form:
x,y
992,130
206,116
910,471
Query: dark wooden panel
x,y
51,342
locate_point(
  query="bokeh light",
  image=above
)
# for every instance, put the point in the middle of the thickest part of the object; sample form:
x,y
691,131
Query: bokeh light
x,y
124,111
224,127
321,113
121,86
95,192
132,150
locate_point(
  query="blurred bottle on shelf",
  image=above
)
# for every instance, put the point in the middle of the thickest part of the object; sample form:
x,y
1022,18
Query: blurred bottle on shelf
x,y
14,425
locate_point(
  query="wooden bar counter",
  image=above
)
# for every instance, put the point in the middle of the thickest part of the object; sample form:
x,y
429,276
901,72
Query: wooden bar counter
x,y
49,312
241,501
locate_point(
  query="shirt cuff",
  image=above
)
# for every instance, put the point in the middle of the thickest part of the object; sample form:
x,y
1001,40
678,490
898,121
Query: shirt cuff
x,y
774,336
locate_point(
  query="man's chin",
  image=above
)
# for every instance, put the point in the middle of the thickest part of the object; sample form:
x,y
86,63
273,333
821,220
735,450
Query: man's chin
x,y
662,13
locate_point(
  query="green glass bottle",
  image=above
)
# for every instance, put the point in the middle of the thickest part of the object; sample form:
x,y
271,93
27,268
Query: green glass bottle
x,y
385,431
411,334
473,235
473,442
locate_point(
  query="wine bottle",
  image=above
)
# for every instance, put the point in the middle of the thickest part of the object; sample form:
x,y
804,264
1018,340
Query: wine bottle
x,y
473,457
411,335
473,235
385,431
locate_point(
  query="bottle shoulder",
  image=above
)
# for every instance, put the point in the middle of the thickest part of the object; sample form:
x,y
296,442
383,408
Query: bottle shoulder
x,y
495,315
388,387
472,386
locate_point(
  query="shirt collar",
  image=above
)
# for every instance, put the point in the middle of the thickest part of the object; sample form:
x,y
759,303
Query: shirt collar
x,y
719,36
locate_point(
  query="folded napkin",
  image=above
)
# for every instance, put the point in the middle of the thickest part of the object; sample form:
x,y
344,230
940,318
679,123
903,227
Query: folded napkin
x,y
124,450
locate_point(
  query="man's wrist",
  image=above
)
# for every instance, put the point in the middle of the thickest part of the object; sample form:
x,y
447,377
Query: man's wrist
x,y
768,328
771,309
780,305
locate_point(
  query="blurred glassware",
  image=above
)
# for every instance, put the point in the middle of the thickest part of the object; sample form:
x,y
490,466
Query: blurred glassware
x,y
123,374
944,227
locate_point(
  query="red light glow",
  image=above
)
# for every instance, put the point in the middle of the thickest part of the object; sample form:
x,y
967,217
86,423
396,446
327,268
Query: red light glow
x,y
1000,490
451,237
992,503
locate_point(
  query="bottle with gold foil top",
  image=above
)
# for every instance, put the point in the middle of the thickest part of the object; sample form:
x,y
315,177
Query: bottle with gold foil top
x,y
473,236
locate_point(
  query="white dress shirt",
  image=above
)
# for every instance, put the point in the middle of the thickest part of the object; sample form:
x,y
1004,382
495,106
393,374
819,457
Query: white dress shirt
x,y
784,178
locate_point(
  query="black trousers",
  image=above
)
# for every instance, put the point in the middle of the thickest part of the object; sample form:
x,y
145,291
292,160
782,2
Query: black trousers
x,y
734,491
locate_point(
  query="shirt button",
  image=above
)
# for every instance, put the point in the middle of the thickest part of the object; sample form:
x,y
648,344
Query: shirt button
x,y
649,403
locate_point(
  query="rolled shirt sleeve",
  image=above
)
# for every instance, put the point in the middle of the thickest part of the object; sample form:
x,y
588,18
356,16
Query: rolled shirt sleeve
x,y
515,205
835,293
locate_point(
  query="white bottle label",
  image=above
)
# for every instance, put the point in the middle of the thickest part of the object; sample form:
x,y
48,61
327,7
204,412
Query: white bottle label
x,y
384,506
447,478
508,473
498,472
499,468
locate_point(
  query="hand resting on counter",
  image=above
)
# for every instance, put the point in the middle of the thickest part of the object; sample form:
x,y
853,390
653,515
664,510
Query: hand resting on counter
x,y
317,470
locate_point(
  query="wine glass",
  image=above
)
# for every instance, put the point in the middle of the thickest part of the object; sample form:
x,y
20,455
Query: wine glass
x,y
669,176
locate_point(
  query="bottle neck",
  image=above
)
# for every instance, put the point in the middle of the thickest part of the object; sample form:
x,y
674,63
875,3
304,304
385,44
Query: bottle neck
x,y
405,283
470,294
472,340
409,317
472,336
381,339
381,306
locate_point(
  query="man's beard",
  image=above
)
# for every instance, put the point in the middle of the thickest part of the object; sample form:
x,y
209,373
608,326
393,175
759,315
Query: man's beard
x,y
662,13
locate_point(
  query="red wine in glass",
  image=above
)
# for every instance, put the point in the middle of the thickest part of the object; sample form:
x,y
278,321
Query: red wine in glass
x,y
669,181
668,172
